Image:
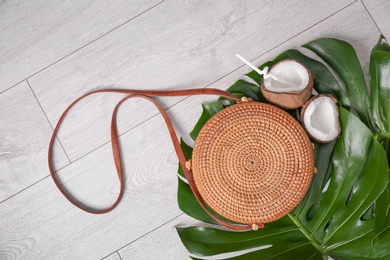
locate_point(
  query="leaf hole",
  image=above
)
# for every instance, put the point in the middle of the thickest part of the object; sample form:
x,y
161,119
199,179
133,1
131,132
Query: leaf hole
x,y
351,192
369,213
312,211
326,186
349,196
353,111
225,102
328,223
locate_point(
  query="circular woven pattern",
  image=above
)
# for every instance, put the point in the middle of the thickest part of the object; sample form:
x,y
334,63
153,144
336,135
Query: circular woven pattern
x,y
252,163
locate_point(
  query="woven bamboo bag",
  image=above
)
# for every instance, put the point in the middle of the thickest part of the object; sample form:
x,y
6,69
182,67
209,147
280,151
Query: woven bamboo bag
x,y
252,163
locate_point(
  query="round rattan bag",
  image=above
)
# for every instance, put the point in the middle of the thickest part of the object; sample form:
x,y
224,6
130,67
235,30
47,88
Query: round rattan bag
x,y
252,163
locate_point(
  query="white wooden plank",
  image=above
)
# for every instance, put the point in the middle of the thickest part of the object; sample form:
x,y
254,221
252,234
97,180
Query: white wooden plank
x,y
178,44
380,10
25,133
352,24
113,256
35,34
40,224
163,243
46,226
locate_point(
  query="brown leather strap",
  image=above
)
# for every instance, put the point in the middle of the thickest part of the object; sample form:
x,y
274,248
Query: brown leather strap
x,y
145,94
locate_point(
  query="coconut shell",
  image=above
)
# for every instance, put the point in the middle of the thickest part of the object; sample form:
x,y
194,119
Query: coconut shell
x,y
303,121
289,100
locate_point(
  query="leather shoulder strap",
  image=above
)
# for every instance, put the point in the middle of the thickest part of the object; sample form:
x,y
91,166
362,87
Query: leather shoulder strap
x,y
145,94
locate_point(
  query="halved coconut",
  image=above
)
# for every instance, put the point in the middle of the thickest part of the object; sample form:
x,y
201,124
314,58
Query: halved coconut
x,y
320,118
288,84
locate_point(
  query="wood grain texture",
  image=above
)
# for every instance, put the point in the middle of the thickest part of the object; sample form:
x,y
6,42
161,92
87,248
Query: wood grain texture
x,y
35,34
113,256
46,226
380,12
177,44
39,223
359,30
164,240
352,24
25,134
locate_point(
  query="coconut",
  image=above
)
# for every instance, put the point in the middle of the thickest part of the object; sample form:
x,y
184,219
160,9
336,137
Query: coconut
x,y
320,118
288,84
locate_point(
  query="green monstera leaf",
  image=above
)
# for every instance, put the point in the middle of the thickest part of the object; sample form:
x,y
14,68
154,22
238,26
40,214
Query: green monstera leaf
x,y
345,214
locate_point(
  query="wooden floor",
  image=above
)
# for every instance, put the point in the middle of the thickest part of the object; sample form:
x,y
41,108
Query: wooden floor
x,y
51,52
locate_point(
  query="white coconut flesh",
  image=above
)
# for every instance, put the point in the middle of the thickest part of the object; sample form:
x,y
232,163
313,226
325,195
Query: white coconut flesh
x,y
321,119
286,76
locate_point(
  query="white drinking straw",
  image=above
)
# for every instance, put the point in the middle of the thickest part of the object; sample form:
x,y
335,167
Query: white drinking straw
x,y
263,72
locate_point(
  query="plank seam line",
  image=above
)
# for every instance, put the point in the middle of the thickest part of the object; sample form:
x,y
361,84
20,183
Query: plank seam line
x,y
205,87
85,45
372,18
29,186
10,197
308,28
115,252
47,119
147,233
151,231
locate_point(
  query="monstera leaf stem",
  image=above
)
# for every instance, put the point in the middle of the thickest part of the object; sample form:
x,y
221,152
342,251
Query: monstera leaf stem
x,y
307,234
385,135
346,212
